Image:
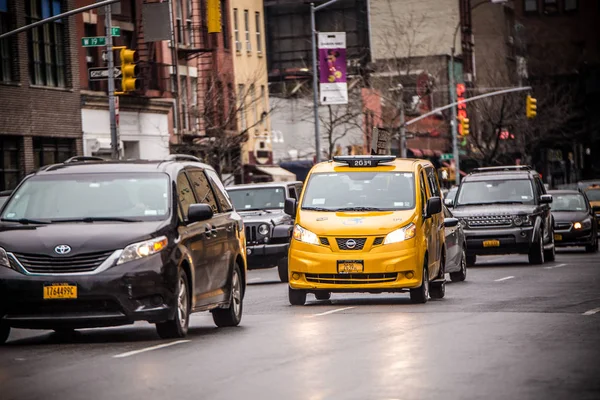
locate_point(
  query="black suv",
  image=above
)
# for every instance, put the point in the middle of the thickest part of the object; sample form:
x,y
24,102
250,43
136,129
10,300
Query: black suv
x,y
268,227
92,243
505,210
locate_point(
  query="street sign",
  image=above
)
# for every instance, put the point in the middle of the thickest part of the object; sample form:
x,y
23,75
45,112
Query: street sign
x,y
447,156
93,41
115,31
104,56
101,74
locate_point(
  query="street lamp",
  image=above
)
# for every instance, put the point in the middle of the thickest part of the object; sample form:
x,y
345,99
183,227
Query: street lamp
x,y
313,30
453,123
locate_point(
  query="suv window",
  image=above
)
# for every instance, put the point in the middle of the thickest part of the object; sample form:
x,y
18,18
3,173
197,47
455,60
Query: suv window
x,y
202,188
185,195
292,193
495,191
540,187
222,196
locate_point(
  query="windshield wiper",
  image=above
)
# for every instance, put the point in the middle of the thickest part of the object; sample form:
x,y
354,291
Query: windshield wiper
x,y
317,209
256,209
359,209
25,221
97,219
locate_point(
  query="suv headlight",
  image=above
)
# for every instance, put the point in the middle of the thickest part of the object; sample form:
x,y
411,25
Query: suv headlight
x,y
4,261
143,249
585,224
400,235
304,235
522,220
263,229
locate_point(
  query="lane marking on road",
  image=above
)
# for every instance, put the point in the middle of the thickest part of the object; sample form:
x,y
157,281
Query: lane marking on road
x,y
592,312
556,266
160,346
504,279
254,280
333,311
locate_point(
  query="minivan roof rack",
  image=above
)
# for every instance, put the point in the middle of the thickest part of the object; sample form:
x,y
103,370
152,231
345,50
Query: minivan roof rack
x,y
83,159
182,157
363,161
503,168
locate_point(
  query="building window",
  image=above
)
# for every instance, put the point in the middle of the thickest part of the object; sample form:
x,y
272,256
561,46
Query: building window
x,y
194,104
46,44
241,107
570,5
254,105
6,70
247,29
10,166
236,31
224,25
550,6
183,96
188,23
179,22
531,5
263,101
258,32
52,151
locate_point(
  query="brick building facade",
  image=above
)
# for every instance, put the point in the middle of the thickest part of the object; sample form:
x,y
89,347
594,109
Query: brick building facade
x,y
40,121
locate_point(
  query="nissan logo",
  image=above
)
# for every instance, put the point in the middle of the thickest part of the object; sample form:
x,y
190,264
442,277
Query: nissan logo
x,y
350,243
62,249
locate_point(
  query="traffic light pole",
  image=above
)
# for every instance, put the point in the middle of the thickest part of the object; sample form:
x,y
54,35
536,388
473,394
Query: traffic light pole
x,y
114,137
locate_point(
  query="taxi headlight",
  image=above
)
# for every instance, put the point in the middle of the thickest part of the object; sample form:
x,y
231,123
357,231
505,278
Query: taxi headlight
x,y
400,235
143,249
304,235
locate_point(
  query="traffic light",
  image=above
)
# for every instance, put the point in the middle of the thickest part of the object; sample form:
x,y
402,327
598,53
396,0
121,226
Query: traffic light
x,y
531,107
129,71
464,126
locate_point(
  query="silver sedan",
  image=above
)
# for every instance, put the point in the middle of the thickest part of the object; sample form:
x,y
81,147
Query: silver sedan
x,y
456,248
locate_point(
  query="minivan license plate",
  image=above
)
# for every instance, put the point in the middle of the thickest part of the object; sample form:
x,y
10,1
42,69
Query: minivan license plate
x,y
60,291
491,243
351,266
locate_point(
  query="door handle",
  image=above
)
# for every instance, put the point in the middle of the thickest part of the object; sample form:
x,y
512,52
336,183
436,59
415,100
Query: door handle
x,y
208,231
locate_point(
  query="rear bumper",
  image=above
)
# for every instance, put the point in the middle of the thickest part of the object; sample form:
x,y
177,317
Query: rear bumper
x,y
514,240
265,255
135,291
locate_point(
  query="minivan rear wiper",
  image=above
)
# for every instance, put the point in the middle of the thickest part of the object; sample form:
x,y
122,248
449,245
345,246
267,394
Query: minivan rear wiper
x,y
97,219
359,209
25,221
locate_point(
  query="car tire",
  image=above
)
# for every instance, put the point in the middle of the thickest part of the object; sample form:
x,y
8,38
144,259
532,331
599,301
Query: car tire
x,y
460,276
536,250
471,260
550,255
421,294
178,326
437,290
296,297
4,333
592,248
282,269
323,295
232,315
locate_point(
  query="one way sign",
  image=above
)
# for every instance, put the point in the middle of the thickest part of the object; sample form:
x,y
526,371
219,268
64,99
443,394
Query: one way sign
x,y
101,74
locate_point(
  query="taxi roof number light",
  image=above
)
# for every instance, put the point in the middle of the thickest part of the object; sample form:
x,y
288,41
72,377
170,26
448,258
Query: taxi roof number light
x,y
363,161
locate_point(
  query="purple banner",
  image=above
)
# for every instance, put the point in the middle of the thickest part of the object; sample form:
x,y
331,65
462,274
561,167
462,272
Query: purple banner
x,y
332,68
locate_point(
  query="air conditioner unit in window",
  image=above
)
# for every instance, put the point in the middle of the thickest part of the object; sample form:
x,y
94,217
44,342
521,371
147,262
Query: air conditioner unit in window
x,y
238,46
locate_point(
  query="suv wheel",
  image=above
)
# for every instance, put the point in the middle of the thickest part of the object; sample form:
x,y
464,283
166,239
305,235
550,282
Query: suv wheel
x,y
550,255
282,269
461,275
4,333
178,327
296,297
536,251
420,294
232,315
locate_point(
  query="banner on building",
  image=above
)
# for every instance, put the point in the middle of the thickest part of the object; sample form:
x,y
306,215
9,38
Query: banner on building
x,y
333,86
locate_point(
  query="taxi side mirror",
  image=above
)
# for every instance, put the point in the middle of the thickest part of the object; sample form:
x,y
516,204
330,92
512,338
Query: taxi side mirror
x,y
290,207
434,206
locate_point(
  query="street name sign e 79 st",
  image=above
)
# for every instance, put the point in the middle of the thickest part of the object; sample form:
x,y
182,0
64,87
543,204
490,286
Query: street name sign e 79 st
x,y
101,74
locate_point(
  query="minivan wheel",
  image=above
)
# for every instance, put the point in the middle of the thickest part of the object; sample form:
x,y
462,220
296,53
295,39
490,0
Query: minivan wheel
x,y
437,290
536,251
460,276
178,327
4,333
420,294
232,315
282,269
296,297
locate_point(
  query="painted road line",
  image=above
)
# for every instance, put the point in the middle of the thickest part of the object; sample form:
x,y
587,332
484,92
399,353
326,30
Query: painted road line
x,y
504,279
333,311
592,312
160,346
556,266
254,280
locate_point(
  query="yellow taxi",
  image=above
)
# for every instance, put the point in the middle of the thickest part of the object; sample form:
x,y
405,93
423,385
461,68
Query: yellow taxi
x,y
368,224
593,194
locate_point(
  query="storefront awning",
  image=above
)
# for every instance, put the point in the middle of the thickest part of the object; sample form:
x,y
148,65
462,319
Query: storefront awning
x,y
278,174
438,153
428,153
416,152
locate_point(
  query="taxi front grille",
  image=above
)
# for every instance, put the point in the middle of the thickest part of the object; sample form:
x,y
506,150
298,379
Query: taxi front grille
x,y
351,279
378,241
351,243
324,241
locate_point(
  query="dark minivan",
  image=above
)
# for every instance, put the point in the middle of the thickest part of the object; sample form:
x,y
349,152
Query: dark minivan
x,y
93,243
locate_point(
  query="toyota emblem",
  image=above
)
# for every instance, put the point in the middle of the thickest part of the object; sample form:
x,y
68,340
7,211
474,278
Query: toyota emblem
x,y
350,243
62,249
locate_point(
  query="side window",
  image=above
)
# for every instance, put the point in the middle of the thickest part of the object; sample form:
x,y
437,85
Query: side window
x,y
202,188
423,190
185,195
292,193
434,186
299,190
540,187
447,213
222,196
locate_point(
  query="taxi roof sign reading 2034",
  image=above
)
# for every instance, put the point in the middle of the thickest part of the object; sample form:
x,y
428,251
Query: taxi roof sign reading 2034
x,y
363,161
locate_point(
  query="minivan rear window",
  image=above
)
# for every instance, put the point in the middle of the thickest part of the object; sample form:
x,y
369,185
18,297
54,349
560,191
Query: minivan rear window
x,y
52,198
335,191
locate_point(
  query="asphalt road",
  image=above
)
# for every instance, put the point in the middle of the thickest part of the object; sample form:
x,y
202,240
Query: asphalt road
x,y
511,331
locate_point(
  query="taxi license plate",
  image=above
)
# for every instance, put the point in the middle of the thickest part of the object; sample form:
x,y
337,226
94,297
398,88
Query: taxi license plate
x,y
558,237
350,267
491,243
60,291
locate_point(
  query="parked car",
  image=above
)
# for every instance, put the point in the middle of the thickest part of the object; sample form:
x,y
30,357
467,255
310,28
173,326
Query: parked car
x,y
592,192
89,243
368,224
574,220
505,210
456,248
268,227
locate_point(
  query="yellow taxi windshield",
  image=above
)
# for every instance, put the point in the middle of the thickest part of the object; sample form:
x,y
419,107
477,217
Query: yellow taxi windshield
x,y
360,191
593,194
